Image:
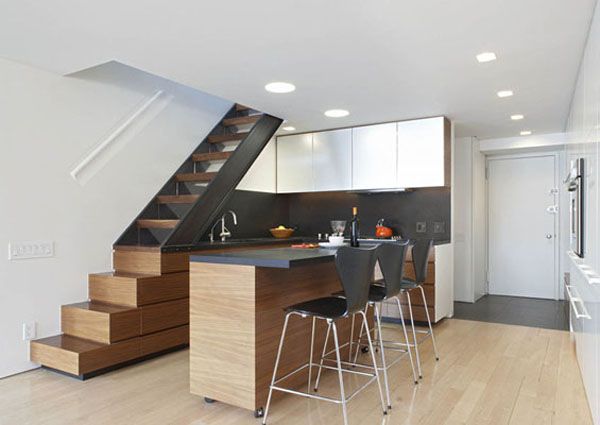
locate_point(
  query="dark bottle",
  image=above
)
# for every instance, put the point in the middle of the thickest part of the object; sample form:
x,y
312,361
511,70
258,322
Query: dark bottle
x,y
354,232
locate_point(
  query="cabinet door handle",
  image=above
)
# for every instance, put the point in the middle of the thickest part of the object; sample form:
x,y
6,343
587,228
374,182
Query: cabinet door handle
x,y
574,300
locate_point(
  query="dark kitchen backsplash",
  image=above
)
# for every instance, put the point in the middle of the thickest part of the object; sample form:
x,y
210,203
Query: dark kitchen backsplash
x,y
311,212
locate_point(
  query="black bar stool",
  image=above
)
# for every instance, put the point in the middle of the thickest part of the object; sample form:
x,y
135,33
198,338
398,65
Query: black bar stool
x,y
420,254
355,268
391,257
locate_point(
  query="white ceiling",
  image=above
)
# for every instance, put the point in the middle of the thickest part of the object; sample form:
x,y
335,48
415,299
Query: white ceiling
x,y
381,59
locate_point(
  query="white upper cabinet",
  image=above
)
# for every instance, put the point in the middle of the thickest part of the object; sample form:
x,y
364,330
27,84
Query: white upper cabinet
x,y
406,154
421,153
332,160
262,176
294,164
374,157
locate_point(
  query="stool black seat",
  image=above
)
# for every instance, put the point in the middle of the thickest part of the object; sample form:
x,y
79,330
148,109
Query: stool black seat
x,y
322,308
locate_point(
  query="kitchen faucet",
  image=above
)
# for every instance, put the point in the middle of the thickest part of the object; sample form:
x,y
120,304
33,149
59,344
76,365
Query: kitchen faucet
x,y
225,233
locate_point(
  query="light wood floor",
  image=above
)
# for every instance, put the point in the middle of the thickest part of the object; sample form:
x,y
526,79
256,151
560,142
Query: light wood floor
x,y
488,374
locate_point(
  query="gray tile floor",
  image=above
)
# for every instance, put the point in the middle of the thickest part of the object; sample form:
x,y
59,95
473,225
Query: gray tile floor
x,y
548,314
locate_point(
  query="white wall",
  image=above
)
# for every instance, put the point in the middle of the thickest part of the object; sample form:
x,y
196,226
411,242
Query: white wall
x,y
48,123
469,220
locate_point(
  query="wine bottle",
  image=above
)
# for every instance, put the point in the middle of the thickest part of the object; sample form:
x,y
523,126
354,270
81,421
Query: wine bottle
x,y
354,232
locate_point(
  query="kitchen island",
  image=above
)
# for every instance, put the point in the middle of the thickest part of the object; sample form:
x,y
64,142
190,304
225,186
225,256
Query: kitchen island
x,y
236,318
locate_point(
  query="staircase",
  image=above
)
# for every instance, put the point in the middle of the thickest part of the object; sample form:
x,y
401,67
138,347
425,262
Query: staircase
x,y
141,309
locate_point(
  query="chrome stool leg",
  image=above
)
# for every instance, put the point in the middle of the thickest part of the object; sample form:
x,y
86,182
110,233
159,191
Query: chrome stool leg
x,y
410,357
322,357
415,342
429,323
285,324
384,366
310,359
372,351
339,367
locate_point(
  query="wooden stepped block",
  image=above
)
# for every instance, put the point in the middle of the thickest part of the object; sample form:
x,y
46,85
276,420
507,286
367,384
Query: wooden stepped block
x,y
83,358
100,322
157,224
134,289
248,119
148,261
231,137
211,156
196,177
170,314
177,199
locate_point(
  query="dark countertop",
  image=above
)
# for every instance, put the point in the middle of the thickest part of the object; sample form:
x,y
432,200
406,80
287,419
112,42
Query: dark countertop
x,y
271,257
248,242
283,258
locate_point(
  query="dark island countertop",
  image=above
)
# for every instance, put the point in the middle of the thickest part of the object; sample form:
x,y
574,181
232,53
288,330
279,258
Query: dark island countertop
x,y
283,258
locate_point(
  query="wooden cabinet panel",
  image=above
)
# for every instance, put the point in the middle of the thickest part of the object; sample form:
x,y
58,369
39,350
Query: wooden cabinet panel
x,y
165,315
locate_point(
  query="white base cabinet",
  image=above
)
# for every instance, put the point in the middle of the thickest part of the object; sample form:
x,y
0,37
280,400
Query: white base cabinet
x,y
584,316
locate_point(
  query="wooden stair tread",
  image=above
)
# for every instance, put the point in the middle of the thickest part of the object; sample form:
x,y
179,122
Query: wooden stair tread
x,y
177,199
231,137
248,119
124,275
79,356
157,224
211,156
69,343
240,108
99,307
196,177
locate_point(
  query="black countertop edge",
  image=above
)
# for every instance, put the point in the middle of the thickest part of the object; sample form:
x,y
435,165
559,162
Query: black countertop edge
x,y
283,258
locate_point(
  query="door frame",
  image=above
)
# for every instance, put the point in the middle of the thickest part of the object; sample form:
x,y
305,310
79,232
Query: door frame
x,y
557,220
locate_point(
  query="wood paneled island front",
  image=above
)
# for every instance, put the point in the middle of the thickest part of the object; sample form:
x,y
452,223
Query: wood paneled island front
x,y
236,318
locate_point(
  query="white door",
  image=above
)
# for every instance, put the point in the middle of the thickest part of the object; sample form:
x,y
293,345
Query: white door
x,y
332,160
522,232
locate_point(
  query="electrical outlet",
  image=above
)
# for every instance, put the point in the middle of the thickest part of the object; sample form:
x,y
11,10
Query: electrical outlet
x,y
439,227
34,249
29,331
421,227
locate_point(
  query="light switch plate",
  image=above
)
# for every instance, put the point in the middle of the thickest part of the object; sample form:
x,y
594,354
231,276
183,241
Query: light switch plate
x,y
29,331
421,227
439,227
32,249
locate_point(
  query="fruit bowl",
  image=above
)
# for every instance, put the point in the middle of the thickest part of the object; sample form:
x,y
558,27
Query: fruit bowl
x,y
280,233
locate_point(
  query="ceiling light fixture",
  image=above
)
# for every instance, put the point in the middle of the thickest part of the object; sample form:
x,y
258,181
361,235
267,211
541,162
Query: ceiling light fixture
x,y
280,87
525,133
336,113
288,128
505,93
517,117
486,57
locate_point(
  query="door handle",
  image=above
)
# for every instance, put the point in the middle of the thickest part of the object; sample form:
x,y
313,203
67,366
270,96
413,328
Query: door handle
x,y
548,236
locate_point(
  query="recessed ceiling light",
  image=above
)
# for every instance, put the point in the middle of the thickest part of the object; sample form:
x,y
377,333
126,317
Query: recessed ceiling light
x,y
486,57
505,93
336,113
280,87
525,133
288,128
517,117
